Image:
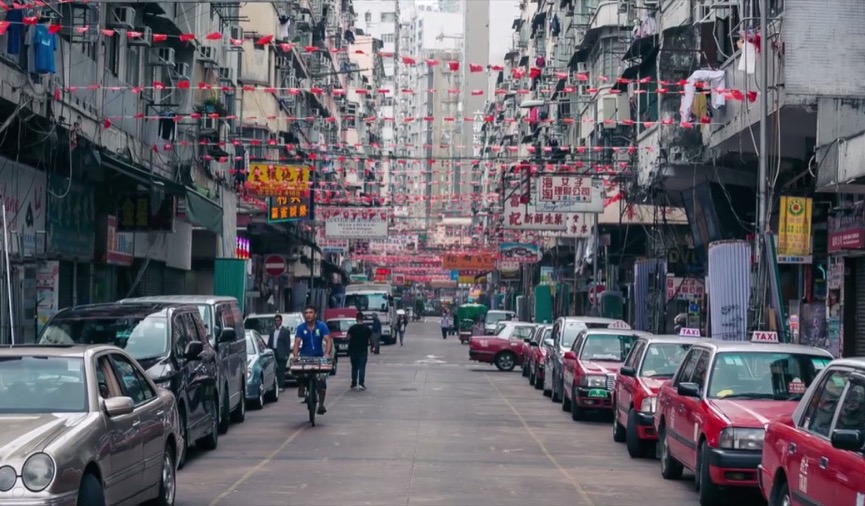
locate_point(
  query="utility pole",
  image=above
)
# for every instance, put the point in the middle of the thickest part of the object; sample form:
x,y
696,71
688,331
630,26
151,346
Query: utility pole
x,y
762,167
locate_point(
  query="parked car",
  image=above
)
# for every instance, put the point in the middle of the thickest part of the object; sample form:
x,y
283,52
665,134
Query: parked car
x,y
85,425
565,331
504,349
712,416
224,323
338,328
168,342
494,317
815,455
590,368
653,361
261,385
263,323
536,355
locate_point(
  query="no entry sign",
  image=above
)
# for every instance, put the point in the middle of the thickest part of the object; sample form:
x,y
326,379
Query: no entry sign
x,y
274,265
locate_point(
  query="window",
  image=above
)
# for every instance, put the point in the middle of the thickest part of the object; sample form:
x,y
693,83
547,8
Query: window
x,y
260,342
133,383
250,345
367,16
662,359
179,335
851,416
387,37
42,384
607,347
763,375
634,356
388,17
687,368
106,380
821,409
701,370
521,333
132,65
141,337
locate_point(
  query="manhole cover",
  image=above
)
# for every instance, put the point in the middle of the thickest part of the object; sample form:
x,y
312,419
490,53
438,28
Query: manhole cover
x,y
409,389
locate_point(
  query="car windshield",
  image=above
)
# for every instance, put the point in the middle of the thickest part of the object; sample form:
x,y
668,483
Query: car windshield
x,y
250,346
523,331
494,317
339,325
35,384
543,335
607,347
367,301
261,324
141,337
504,330
662,359
763,375
572,329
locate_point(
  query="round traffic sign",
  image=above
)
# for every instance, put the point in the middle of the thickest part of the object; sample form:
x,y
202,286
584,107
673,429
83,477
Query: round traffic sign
x,y
274,265
594,292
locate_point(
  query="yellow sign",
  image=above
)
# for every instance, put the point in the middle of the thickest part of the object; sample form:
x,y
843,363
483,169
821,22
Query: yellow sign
x,y
270,180
466,280
794,226
287,209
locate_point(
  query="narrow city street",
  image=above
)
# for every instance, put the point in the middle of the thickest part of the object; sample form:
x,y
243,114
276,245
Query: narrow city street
x,y
432,428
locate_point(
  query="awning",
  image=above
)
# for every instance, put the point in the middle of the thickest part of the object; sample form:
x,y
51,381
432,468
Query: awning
x,y
641,47
200,210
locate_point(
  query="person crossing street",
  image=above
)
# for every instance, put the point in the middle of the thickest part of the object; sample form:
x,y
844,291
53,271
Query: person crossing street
x,y
359,342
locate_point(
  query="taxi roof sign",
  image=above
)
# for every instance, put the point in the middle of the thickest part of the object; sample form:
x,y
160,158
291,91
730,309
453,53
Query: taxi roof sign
x,y
763,336
689,332
619,324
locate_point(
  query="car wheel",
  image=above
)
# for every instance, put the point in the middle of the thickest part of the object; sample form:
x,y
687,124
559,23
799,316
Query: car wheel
x,y
239,414
90,492
781,495
671,469
709,492
556,395
168,485
506,361
618,430
577,412
539,381
259,402
273,394
548,392
184,433
532,377
637,448
210,441
525,369
566,403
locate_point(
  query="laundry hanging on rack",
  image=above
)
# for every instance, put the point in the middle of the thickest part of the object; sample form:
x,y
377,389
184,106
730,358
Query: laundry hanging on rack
x,y
42,44
716,81
555,27
14,33
284,27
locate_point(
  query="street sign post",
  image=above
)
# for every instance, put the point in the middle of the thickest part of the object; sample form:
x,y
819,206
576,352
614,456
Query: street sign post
x,y
274,265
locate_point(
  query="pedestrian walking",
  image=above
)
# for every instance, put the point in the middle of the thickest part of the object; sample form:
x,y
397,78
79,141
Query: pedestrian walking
x,y
376,334
446,325
280,343
359,341
401,324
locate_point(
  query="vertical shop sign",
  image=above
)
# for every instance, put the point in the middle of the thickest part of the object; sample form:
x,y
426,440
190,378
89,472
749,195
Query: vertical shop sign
x,y
70,222
794,229
47,279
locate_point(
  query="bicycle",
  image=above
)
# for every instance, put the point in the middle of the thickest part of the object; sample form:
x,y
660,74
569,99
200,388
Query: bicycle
x,y
308,370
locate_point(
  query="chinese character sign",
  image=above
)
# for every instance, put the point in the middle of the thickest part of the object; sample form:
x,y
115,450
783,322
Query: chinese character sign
x,y
469,262
569,194
283,208
270,180
520,216
794,226
356,223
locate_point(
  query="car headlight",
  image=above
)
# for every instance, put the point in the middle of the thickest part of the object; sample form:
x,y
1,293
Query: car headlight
x,y
8,476
38,472
593,381
649,405
737,438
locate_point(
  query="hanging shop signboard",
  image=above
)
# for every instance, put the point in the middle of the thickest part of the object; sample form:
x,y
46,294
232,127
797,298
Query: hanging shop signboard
x,y
469,262
356,223
71,220
282,208
847,228
137,212
520,216
519,252
113,247
794,229
22,189
684,288
571,194
327,245
272,180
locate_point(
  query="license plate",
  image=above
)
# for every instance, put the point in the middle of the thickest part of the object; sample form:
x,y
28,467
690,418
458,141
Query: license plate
x,y
598,393
341,346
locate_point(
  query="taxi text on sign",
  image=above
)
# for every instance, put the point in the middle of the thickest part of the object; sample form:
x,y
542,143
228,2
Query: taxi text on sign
x,y
761,336
689,332
272,180
794,226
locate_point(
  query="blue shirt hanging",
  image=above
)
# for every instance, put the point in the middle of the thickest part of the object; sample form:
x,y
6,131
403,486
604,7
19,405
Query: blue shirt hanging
x,y
44,44
15,17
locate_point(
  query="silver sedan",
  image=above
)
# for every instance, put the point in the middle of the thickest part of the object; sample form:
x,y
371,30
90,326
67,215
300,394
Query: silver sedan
x,y
84,425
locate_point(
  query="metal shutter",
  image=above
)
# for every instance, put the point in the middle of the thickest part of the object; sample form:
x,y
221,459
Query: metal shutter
x,y
174,281
152,283
65,285
859,297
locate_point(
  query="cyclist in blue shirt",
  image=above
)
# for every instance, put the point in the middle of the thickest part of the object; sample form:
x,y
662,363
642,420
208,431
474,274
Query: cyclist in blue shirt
x,y
313,340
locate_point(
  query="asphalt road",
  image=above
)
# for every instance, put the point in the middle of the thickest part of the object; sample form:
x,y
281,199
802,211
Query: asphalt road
x,y
432,428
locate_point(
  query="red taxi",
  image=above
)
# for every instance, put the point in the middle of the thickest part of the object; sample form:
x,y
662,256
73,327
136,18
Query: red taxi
x,y
590,367
535,356
338,328
505,348
711,418
815,456
653,361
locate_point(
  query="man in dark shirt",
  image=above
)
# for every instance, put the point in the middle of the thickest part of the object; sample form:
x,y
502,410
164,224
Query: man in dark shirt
x,y
359,340
281,343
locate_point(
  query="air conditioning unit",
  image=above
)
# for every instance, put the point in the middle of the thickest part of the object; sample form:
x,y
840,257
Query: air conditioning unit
x,y
121,17
226,74
236,32
181,71
613,109
145,40
207,54
164,57
582,68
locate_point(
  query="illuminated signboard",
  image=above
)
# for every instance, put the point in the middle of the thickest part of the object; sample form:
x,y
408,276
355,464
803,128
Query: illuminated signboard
x,y
281,209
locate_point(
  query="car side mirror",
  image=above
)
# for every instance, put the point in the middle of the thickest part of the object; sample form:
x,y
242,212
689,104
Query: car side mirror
x,y
193,350
850,440
627,370
227,336
527,339
534,344
570,355
549,342
689,389
118,406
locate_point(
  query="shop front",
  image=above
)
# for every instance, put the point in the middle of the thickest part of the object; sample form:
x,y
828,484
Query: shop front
x,y
845,301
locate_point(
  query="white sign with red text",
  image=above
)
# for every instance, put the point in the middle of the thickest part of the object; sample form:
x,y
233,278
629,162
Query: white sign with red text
x,y
689,332
575,194
519,216
764,336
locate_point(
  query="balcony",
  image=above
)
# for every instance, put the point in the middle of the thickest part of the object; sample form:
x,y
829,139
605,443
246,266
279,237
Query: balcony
x,y
607,16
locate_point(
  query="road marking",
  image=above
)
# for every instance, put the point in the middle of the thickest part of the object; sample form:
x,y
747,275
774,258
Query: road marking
x,y
266,460
573,481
